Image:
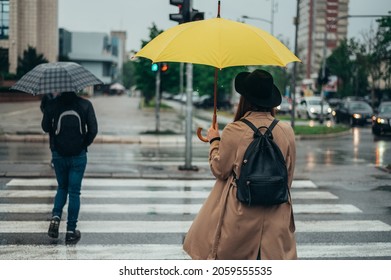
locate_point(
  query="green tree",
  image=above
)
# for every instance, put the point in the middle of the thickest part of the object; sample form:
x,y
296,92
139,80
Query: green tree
x,y
349,63
29,60
128,72
204,77
383,47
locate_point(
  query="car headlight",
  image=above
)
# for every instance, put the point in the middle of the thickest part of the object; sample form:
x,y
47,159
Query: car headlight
x,y
334,113
357,116
329,110
312,110
380,120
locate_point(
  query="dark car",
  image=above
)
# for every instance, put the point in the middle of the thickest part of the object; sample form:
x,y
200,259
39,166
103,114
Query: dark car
x,y
354,113
207,102
381,122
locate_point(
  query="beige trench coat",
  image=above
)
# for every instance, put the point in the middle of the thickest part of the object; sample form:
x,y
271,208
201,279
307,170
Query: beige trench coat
x,y
226,229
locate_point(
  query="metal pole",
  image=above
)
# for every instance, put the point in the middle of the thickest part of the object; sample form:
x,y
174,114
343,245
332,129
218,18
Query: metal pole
x,y
189,116
323,73
181,77
272,19
157,100
294,76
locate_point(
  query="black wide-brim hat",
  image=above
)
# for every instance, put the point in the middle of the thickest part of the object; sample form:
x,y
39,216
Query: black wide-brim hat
x,y
258,88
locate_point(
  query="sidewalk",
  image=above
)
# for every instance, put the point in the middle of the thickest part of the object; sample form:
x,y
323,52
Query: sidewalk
x,y
120,120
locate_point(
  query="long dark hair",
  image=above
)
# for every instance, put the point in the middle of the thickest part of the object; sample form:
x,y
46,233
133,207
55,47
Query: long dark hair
x,y
244,106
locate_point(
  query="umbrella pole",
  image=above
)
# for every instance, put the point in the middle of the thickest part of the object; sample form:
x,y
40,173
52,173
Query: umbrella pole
x,y
214,121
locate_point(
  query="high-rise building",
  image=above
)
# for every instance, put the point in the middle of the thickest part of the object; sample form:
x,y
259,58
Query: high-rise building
x,y
25,23
317,19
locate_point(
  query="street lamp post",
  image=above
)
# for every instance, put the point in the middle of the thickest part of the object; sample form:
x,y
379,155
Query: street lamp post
x,y
261,19
294,75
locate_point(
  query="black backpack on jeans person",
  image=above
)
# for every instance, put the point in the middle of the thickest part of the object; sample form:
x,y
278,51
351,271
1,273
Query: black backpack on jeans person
x,y
263,176
70,131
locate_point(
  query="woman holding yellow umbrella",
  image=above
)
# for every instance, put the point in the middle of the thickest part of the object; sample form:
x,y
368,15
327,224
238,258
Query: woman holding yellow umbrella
x,y
224,228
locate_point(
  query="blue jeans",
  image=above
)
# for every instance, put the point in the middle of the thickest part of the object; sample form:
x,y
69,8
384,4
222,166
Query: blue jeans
x,y
69,173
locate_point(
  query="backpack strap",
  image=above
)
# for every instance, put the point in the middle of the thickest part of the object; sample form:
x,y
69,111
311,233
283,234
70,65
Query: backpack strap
x,y
250,124
272,125
257,133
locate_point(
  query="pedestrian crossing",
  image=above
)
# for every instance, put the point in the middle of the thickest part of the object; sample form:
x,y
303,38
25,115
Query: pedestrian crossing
x,y
148,219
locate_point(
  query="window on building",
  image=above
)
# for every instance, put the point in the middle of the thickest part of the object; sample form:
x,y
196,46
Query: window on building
x,y
4,19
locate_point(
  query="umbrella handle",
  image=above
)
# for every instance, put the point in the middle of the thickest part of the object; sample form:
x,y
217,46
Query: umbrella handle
x,y
202,138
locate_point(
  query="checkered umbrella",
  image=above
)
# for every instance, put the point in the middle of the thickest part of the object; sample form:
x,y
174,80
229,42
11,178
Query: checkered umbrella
x,y
56,77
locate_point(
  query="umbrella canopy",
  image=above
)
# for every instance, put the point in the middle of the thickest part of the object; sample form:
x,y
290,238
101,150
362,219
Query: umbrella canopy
x,y
56,77
117,86
217,42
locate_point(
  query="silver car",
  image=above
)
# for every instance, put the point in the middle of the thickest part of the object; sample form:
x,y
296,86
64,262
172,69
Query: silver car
x,y
310,108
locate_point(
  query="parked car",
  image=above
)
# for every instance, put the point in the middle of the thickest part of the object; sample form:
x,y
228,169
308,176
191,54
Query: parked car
x,y
381,122
310,108
353,112
285,107
207,101
334,102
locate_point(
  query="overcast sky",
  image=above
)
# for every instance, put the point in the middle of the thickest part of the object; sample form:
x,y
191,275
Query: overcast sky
x,y
136,16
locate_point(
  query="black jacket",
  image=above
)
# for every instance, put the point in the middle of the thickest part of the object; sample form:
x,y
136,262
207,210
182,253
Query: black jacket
x,y
68,101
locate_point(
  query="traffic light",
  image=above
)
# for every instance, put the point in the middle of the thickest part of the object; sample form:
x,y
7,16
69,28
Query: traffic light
x,y
196,15
164,67
184,10
154,67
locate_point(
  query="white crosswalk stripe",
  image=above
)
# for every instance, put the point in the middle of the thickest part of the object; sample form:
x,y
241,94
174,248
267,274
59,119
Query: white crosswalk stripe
x,y
182,226
147,198
148,194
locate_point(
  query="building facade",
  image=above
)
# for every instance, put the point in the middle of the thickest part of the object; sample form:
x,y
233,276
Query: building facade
x,y
25,23
98,52
323,23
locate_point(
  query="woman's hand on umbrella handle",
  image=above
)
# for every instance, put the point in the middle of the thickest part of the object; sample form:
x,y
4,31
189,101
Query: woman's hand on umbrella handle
x,y
202,138
213,132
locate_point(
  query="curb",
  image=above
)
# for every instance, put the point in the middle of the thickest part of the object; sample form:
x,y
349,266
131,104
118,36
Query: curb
x,y
144,139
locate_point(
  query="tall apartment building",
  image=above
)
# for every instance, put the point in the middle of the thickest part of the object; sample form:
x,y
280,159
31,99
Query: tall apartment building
x,y
317,18
26,23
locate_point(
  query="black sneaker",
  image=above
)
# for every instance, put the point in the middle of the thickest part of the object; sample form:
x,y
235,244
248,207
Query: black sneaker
x,y
72,236
54,226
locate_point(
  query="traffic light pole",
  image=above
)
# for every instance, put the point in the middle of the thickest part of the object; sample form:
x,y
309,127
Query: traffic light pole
x,y
189,118
157,100
187,14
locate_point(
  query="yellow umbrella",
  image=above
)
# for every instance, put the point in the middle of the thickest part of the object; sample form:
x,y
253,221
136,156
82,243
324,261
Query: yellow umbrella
x,y
217,42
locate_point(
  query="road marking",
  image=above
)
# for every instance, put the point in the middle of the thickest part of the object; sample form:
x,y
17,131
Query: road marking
x,y
183,226
104,182
324,208
355,250
175,252
168,208
303,184
147,194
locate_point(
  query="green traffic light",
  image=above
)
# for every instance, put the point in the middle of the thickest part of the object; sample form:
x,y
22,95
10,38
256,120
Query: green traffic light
x,y
155,67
